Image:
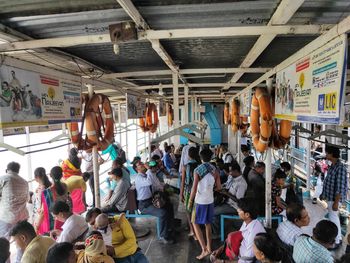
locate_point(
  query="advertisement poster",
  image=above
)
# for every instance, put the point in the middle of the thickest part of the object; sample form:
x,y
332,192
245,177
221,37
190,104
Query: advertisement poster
x,y
162,108
28,98
245,102
135,106
312,89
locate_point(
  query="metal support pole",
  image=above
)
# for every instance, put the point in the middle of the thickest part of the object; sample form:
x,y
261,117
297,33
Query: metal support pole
x,y
308,164
120,122
29,158
238,134
176,106
126,134
268,211
195,108
149,145
186,105
192,108
95,161
137,140
348,149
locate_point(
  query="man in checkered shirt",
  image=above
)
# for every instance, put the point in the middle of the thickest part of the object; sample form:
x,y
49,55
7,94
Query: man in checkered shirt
x,y
335,187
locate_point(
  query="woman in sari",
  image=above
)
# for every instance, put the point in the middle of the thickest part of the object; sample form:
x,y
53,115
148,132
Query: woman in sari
x,y
95,250
71,167
56,192
44,183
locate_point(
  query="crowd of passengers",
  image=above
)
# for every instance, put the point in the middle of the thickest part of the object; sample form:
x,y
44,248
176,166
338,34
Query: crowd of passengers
x,y
212,183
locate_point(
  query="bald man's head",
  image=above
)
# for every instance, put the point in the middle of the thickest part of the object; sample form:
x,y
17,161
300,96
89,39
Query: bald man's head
x,y
101,221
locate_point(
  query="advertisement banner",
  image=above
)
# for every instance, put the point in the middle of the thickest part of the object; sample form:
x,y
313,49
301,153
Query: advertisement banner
x,y
245,100
28,98
312,89
162,108
135,106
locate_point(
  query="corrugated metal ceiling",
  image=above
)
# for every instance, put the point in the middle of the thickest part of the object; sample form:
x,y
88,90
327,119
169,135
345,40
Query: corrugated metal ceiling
x,y
46,19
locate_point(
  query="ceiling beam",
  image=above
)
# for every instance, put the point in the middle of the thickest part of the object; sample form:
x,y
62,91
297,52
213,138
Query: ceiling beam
x,y
185,71
233,31
135,15
284,12
341,28
155,35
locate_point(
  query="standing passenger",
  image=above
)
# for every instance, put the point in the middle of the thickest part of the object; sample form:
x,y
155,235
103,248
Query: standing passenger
x,y
71,167
187,183
13,200
335,187
205,177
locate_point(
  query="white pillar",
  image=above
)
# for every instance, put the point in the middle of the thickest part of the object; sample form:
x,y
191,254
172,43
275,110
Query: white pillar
x,y
95,161
192,108
349,148
268,213
176,106
238,136
29,158
186,105
119,122
308,170
126,134
195,108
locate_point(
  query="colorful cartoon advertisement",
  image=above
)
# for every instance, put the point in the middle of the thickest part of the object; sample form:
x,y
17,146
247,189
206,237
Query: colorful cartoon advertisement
x,y
28,98
245,100
312,89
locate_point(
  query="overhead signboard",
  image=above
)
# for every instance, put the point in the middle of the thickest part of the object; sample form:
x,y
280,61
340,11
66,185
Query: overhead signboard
x,y
28,98
135,106
312,89
245,99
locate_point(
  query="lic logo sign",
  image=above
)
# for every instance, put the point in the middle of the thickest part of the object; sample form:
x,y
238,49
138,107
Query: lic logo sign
x,y
327,102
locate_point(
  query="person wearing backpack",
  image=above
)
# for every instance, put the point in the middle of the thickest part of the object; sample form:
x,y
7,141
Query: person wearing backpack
x,y
226,155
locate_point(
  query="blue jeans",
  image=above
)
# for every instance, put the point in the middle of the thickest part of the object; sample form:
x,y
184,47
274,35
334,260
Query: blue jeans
x,y
138,257
146,207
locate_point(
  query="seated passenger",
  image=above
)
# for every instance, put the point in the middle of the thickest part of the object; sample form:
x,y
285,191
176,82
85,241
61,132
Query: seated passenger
x,y
119,198
144,184
266,249
168,162
290,230
256,186
250,228
226,156
236,187
95,250
4,250
294,192
248,165
119,237
118,163
315,248
162,171
61,253
157,175
277,204
74,226
34,247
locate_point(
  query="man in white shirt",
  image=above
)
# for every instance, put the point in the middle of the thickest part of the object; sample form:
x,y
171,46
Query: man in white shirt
x,y
251,227
235,189
184,154
74,227
14,194
226,155
290,230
